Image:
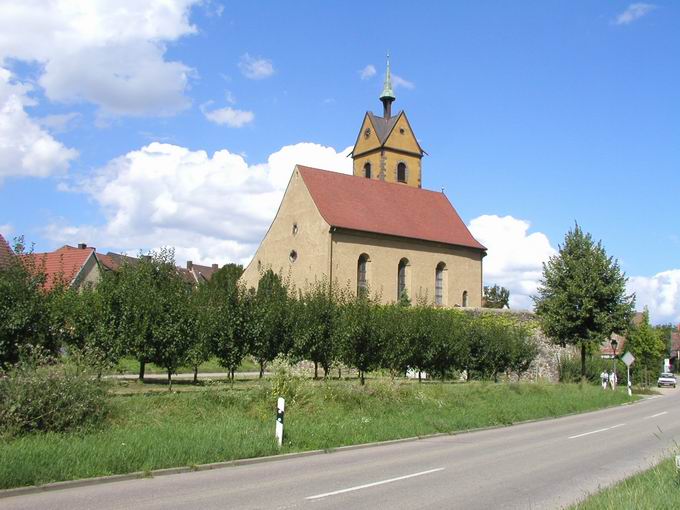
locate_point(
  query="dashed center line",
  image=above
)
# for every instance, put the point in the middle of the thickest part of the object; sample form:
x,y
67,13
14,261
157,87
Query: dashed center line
x,y
655,415
596,431
365,486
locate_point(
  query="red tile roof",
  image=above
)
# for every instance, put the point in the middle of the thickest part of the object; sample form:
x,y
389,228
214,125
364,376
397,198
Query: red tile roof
x,y
368,205
6,252
64,263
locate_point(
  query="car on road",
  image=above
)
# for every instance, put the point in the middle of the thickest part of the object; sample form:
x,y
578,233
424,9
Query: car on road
x,y
666,379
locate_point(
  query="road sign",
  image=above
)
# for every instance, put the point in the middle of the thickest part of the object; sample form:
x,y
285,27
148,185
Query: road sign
x,y
628,359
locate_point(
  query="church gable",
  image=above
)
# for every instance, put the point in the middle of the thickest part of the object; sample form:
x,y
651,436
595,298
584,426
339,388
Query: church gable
x,y
367,140
402,137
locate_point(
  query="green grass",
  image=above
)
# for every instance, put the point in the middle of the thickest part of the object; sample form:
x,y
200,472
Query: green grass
x,y
657,488
131,366
220,422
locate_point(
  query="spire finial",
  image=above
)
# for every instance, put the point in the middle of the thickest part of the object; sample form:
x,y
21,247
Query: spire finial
x,y
387,95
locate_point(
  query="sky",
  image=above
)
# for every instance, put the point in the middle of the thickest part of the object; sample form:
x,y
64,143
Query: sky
x,y
135,124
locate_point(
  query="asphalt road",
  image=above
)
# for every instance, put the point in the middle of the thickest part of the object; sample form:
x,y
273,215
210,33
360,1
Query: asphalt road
x,y
547,464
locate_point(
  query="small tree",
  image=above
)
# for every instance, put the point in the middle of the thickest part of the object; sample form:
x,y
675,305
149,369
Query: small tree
x,y
582,296
359,342
269,318
496,297
22,306
315,324
648,346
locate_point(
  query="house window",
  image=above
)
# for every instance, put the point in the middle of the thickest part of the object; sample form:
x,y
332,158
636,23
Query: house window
x,y
465,298
439,284
401,278
362,281
367,170
401,172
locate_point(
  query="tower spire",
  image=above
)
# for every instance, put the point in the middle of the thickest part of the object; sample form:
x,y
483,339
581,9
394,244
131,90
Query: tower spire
x,y
387,95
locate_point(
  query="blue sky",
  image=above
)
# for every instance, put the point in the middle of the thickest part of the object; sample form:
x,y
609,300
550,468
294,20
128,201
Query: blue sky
x,y
534,115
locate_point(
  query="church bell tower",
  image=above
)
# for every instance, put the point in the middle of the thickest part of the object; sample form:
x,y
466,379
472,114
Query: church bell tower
x,y
387,148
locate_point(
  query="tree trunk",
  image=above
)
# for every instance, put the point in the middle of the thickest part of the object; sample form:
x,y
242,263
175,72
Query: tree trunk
x,y
419,376
361,377
142,367
325,372
169,380
583,362
261,369
316,370
196,375
231,375
339,373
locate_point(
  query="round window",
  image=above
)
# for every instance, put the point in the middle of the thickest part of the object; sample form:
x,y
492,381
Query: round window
x,y
292,256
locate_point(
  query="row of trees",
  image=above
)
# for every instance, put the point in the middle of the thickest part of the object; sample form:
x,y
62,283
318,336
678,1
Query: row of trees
x,y
146,310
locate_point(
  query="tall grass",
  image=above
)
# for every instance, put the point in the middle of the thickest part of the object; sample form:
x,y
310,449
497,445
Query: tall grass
x,y
152,431
657,488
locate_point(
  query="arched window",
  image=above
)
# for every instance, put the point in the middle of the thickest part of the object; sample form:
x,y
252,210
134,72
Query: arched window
x,y
362,280
465,298
439,284
401,172
401,278
367,170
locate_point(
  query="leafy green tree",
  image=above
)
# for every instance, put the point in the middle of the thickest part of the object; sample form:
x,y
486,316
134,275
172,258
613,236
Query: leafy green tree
x,y
496,297
649,347
270,327
223,312
448,349
315,336
392,330
582,296
359,342
22,306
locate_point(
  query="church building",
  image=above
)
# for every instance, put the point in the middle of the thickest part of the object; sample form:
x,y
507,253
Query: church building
x,y
377,230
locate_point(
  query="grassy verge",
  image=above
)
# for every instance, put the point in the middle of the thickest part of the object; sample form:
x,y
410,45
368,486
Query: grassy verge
x,y
658,488
151,431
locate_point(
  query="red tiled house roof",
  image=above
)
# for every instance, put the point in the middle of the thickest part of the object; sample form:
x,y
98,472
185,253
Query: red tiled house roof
x,y
6,253
64,263
368,205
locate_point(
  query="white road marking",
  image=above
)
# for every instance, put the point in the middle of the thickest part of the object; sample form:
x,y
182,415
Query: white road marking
x,y
365,486
655,415
596,431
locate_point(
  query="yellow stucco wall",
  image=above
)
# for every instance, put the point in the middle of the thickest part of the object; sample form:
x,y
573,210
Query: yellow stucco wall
x,y
311,242
463,267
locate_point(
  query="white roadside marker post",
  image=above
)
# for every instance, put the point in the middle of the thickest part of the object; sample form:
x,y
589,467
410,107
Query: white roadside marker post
x,y
280,408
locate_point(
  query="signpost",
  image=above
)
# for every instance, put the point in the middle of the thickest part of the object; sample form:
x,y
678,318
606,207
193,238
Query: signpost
x,y
280,408
628,359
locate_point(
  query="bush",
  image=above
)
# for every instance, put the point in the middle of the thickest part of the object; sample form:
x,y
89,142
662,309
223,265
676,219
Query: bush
x,y
50,398
570,369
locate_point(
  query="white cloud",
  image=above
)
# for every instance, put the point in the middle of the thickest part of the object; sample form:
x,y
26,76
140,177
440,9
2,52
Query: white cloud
x,y
633,12
26,150
514,257
229,116
110,53
367,72
211,209
398,81
255,68
660,293
7,230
